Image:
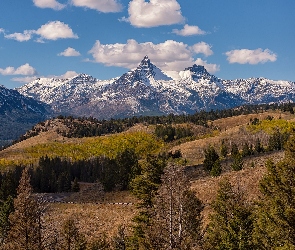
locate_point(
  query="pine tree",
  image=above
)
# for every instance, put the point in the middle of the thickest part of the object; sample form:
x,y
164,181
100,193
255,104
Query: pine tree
x,y
216,169
211,157
6,209
144,186
246,151
25,232
237,163
231,222
234,150
71,235
275,225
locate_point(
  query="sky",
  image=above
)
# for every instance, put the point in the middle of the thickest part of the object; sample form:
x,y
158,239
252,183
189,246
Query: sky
x,y
106,38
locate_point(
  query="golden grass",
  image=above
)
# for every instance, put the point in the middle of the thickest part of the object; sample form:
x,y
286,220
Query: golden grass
x,y
93,219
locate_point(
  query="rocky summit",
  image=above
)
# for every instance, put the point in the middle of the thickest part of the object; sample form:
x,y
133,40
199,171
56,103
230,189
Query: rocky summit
x,y
147,90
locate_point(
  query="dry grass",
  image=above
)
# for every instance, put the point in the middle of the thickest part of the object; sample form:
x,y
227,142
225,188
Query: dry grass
x,y
94,219
231,130
247,180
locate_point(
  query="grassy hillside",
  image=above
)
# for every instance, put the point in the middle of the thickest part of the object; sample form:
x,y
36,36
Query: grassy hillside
x,y
104,217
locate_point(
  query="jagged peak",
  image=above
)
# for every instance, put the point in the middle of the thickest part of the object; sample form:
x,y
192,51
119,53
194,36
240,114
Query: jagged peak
x,y
81,78
145,63
198,69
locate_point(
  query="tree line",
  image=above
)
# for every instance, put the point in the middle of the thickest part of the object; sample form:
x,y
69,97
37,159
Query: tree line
x,y
90,126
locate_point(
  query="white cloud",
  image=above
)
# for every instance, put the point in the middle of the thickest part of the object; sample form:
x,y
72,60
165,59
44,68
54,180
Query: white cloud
x,y
169,55
99,5
69,52
2,30
69,74
154,13
202,48
25,79
25,69
53,4
211,68
55,30
189,31
244,56
28,79
51,31
21,37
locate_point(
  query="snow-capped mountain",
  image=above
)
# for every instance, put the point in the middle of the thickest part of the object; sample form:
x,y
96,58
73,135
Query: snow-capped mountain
x,y
19,113
148,90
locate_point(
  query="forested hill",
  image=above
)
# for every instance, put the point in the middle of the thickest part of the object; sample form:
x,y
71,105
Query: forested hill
x,y
112,182
70,126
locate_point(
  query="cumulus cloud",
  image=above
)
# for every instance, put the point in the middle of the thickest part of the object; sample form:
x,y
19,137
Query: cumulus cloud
x,y
52,4
99,5
256,56
210,67
55,30
169,55
154,13
189,31
2,30
25,69
51,31
69,52
202,48
69,74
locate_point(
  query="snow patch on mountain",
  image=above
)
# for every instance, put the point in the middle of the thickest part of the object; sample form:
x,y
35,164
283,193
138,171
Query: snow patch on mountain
x,y
148,90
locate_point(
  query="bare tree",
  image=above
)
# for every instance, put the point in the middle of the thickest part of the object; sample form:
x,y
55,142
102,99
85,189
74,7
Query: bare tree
x,y
176,221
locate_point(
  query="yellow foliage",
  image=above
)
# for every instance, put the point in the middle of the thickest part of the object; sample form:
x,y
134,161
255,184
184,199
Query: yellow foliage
x,y
270,126
142,142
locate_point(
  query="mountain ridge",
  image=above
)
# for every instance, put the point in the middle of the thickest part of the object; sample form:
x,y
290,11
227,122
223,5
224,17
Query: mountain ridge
x,y
149,90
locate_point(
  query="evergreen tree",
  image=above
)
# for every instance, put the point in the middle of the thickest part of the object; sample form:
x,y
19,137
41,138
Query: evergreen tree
x,y
234,150
211,157
231,222
246,151
72,238
237,163
275,226
216,169
144,186
25,231
277,140
6,209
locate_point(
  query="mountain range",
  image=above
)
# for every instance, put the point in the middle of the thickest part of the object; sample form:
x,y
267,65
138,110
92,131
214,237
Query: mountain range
x,y
145,90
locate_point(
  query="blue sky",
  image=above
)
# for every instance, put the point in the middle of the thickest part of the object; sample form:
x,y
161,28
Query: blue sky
x,y
105,38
